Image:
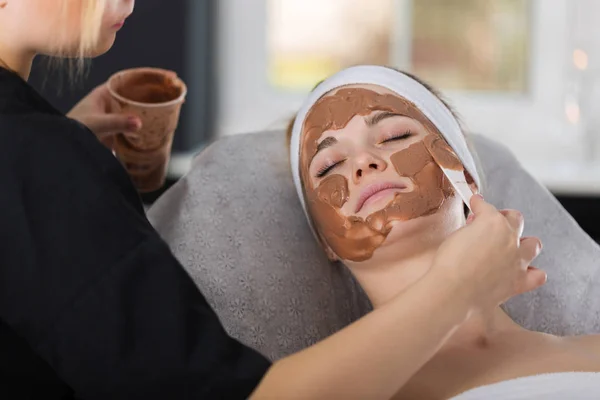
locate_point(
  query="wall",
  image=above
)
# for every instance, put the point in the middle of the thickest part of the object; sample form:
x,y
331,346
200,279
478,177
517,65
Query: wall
x,y
534,126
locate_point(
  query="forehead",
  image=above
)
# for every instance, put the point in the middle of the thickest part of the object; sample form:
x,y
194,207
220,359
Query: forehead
x,y
337,108
374,88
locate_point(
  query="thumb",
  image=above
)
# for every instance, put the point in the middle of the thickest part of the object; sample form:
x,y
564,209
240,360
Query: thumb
x,y
109,124
480,206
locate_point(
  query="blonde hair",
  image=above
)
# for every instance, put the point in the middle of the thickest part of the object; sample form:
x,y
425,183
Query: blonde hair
x,y
91,22
92,12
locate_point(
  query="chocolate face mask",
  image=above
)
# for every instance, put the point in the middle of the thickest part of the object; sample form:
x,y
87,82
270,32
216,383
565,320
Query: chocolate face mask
x,y
351,237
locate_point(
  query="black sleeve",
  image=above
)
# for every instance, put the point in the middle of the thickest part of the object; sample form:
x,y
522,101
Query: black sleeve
x,y
91,286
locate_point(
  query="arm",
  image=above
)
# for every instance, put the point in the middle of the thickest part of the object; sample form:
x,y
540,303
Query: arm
x,y
374,357
476,268
91,287
98,295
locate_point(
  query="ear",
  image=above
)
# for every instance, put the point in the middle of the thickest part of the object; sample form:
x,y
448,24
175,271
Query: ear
x,y
330,254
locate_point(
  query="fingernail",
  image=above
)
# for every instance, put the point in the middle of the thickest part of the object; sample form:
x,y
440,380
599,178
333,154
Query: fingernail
x,y
470,218
479,195
133,123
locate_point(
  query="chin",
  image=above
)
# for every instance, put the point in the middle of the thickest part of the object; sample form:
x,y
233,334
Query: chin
x,y
415,230
425,232
103,46
410,238
72,51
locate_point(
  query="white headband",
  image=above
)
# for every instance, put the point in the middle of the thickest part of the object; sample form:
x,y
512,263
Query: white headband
x,y
404,86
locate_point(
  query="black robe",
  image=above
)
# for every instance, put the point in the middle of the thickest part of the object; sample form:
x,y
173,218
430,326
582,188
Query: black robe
x,y
93,304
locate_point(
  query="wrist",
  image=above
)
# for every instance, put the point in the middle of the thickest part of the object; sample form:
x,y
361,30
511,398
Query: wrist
x,y
453,294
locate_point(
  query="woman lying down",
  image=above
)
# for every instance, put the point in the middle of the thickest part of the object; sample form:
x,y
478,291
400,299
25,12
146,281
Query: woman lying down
x,y
366,150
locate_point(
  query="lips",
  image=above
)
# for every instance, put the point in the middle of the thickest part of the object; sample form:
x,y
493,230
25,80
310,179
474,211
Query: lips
x,y
372,190
120,24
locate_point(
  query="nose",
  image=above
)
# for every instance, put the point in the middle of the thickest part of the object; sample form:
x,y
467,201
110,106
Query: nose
x,y
367,163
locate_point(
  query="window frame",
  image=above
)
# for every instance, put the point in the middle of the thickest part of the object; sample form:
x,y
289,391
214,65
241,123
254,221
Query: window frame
x,y
533,124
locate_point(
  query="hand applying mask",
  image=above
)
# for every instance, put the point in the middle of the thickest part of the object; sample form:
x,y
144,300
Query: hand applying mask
x,y
490,259
98,112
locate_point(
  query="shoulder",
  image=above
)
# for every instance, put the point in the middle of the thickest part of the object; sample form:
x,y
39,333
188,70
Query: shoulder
x,y
51,154
34,128
29,135
32,123
47,142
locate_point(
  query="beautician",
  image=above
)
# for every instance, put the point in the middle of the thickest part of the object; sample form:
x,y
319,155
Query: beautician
x,y
93,305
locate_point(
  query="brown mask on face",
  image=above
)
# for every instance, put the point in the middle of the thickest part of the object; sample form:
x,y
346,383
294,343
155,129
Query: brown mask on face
x,y
353,238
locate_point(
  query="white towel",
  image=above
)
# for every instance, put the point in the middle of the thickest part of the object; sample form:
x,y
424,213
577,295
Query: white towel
x,y
553,386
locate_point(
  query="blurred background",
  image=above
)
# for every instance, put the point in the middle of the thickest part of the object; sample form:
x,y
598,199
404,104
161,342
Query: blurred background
x,y
524,72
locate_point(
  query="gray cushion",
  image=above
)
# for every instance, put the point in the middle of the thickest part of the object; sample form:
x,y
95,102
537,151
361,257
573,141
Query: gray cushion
x,y
236,225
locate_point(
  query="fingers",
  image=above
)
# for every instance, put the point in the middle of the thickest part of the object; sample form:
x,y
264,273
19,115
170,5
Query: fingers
x,y
479,205
109,124
515,219
132,124
530,248
534,278
470,218
103,87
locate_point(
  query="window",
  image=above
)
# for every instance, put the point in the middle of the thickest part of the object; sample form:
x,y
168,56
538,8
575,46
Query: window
x,y
518,71
456,44
471,44
310,40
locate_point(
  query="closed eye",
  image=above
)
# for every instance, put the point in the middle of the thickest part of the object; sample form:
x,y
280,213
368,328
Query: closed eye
x,y
328,168
402,136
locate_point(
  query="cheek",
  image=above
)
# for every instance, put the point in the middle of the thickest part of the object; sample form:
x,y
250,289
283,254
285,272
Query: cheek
x,y
70,20
104,44
442,153
343,169
452,215
37,21
57,26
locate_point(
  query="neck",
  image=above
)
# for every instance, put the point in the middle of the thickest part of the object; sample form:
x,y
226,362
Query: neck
x,y
384,282
19,62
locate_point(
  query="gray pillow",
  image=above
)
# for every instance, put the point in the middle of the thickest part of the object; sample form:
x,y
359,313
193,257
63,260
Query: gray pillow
x,y
236,225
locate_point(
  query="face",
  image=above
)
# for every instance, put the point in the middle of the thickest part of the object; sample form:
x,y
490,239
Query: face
x,y
369,165
54,27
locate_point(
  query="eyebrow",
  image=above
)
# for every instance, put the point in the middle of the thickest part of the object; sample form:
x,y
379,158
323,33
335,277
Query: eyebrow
x,y
373,120
327,142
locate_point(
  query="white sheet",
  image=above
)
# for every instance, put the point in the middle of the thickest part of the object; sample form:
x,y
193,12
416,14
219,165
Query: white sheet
x,y
554,386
